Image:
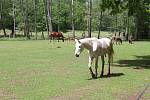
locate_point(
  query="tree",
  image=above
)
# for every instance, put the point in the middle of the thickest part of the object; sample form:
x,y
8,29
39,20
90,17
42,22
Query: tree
x,y
137,9
100,23
14,20
62,15
1,7
26,19
35,17
90,18
6,19
72,18
49,16
58,7
101,10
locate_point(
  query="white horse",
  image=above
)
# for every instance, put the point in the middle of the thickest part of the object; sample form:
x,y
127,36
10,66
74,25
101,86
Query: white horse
x,y
96,48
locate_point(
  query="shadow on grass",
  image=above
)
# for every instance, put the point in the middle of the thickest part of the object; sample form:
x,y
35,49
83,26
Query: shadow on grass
x,y
138,63
108,76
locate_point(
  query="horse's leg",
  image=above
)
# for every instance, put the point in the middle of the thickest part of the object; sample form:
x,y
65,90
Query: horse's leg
x,y
58,39
103,62
50,38
90,64
53,38
62,38
108,64
96,66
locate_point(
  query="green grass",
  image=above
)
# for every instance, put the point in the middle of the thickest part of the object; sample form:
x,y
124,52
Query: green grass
x,y
38,70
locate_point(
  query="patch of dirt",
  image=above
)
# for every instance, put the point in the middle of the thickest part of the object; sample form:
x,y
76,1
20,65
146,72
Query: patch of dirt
x,y
139,95
147,92
6,94
134,96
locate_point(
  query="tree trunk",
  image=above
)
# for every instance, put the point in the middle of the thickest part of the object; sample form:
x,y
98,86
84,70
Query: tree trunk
x,y
0,15
14,21
23,8
72,18
26,27
58,7
46,19
137,30
4,32
90,18
35,18
1,19
127,29
100,22
1,10
42,36
49,16
116,21
26,21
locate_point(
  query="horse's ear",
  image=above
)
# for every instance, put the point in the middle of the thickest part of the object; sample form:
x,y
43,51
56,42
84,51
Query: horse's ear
x,y
94,46
77,41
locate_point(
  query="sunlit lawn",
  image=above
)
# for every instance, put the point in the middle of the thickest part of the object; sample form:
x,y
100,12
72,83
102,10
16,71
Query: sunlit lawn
x,y
39,70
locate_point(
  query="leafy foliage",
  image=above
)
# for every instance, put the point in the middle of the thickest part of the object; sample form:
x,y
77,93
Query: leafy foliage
x,y
124,10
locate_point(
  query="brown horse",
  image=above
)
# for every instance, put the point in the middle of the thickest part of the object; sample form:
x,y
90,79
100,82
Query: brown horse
x,y
56,35
116,39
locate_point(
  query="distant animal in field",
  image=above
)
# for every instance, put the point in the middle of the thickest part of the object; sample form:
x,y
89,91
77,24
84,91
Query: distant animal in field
x,y
116,39
56,35
130,39
96,48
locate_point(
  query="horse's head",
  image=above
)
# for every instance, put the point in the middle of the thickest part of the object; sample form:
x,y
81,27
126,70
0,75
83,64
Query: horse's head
x,y
78,48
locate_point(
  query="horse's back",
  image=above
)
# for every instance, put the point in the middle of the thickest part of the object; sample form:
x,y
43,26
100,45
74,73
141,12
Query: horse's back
x,y
105,42
105,39
56,34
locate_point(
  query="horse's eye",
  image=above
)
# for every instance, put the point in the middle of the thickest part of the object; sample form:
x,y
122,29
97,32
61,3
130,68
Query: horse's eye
x,y
79,46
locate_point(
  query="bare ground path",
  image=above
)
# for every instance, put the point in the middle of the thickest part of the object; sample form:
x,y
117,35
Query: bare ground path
x,y
140,94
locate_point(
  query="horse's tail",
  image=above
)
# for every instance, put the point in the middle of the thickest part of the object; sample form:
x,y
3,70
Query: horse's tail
x,y
111,51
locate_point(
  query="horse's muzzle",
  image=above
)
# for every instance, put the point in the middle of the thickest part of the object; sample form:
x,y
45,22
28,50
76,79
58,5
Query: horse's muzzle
x,y
77,55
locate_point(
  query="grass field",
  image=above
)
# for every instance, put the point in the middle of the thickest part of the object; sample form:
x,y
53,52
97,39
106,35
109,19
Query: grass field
x,y
39,70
